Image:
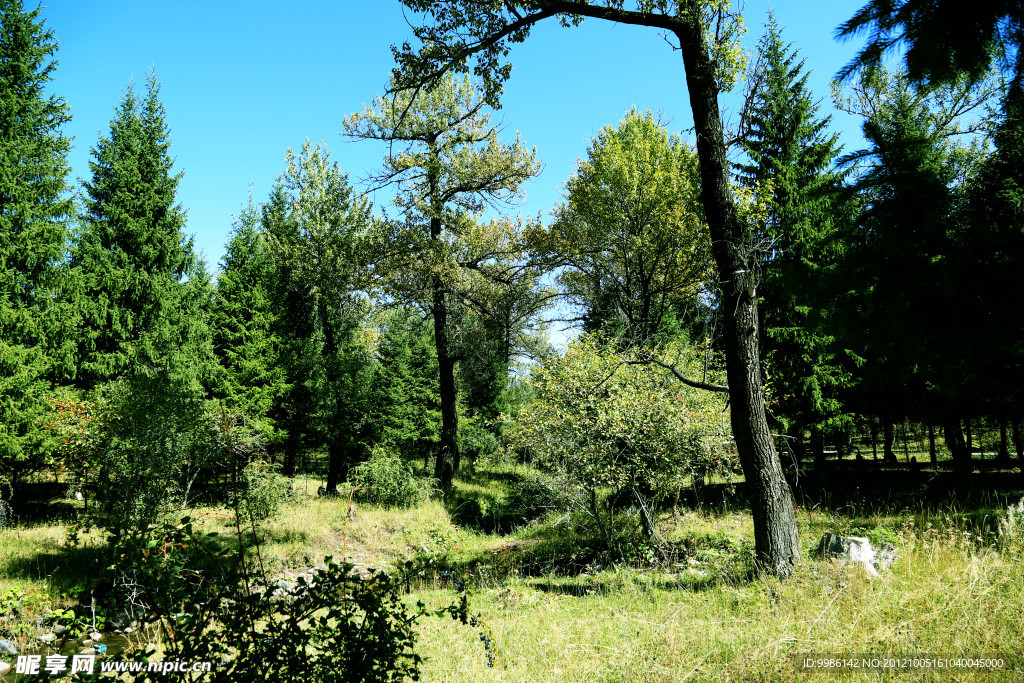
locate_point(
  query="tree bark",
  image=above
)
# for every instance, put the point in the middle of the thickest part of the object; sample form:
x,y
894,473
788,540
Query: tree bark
x,y
777,547
889,437
957,447
444,465
931,446
1004,445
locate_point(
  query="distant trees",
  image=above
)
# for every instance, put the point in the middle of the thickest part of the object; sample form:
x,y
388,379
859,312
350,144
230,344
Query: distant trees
x,y
35,211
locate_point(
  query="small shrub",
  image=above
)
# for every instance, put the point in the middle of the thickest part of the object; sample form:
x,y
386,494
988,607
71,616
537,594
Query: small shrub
x,y
477,442
535,495
263,489
388,481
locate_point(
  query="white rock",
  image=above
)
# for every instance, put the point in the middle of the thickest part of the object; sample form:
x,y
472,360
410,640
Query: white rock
x,y
855,549
47,637
4,668
96,636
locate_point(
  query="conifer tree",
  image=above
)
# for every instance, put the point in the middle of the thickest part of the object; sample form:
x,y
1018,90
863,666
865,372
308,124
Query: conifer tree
x,y
406,404
34,214
141,294
245,327
293,325
448,163
789,149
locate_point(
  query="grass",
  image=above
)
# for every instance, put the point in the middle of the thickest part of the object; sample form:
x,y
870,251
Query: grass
x,y
557,610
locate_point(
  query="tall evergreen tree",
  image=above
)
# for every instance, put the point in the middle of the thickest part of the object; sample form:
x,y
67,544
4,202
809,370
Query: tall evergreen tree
x,y
989,248
245,329
406,404
34,213
294,325
789,148
141,285
900,290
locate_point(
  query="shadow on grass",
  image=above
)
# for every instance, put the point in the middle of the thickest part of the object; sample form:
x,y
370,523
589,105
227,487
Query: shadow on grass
x,y
66,570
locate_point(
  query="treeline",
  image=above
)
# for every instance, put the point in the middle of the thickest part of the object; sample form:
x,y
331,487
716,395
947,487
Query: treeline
x,y
884,279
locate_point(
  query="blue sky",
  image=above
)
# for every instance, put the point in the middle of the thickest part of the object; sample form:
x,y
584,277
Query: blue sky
x,y
244,81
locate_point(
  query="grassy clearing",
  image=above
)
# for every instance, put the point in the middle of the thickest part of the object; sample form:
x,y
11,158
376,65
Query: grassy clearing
x,y
557,612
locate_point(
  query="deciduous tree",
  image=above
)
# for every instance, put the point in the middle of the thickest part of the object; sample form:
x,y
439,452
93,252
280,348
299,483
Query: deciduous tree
x,y
630,238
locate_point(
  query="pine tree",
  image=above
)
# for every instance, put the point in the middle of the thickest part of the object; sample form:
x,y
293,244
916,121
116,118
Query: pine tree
x,y
789,149
34,214
406,404
898,262
245,326
135,266
294,325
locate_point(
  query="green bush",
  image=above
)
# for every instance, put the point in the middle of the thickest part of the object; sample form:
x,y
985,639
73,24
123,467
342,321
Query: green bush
x,y
263,489
388,481
334,626
534,495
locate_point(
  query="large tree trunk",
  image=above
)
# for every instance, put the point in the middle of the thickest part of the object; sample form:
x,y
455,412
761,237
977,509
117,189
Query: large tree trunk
x,y
777,547
957,446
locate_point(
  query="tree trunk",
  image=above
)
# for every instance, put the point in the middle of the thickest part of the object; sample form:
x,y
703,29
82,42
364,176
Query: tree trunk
x,y
1018,443
447,453
1004,445
888,437
776,545
957,447
931,446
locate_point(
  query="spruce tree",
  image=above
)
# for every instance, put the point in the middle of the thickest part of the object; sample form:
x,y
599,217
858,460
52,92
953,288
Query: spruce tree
x,y
141,294
406,410
34,213
245,328
789,148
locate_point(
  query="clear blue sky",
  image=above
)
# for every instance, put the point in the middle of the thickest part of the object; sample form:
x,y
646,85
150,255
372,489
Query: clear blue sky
x,y
244,81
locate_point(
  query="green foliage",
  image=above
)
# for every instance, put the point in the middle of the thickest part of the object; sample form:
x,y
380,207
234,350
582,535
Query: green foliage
x,y
143,294
74,427
448,165
790,152
158,437
406,405
324,234
606,424
534,495
262,490
333,626
34,213
630,237
901,265
245,325
388,481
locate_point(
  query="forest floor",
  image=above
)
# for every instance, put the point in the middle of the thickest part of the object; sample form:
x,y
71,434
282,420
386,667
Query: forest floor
x,y
687,609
